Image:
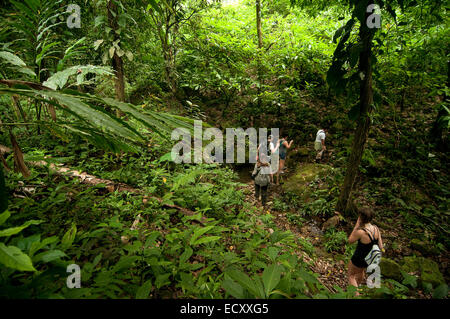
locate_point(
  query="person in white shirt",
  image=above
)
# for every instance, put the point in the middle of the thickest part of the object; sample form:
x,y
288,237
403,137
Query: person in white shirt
x,y
271,150
319,144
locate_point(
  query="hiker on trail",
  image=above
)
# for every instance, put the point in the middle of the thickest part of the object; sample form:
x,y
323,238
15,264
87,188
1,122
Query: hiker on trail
x,y
367,236
319,144
261,174
283,147
270,151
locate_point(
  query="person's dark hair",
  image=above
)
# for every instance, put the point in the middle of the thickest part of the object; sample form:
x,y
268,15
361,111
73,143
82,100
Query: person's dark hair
x,y
366,214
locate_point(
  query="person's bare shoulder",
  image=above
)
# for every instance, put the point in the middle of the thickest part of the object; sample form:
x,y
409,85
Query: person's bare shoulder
x,y
355,235
360,232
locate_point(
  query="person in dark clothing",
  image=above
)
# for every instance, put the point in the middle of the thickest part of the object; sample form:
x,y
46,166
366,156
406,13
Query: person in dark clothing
x,y
283,146
366,235
261,174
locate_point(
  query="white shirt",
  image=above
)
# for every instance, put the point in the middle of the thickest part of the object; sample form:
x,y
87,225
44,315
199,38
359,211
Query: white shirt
x,y
271,147
320,136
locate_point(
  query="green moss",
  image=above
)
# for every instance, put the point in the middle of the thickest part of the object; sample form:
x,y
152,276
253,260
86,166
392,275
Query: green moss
x,y
305,174
304,151
424,248
427,269
390,269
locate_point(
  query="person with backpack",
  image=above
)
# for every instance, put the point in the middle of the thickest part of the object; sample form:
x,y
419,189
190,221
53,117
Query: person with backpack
x,y
283,146
319,144
261,174
368,250
270,149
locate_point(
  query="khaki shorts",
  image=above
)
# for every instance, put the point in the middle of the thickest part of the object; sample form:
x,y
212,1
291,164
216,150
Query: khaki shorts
x,y
318,146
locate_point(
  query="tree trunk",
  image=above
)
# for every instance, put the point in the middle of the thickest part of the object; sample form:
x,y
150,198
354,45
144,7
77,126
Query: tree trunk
x,y
260,45
117,62
168,35
363,122
169,68
258,23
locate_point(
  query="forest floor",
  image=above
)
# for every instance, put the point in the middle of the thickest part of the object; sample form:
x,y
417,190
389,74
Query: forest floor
x,y
330,267
330,272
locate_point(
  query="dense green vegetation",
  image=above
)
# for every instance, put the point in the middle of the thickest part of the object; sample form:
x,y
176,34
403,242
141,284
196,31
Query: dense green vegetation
x,y
104,98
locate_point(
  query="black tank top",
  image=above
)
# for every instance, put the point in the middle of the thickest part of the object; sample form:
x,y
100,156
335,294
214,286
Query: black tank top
x,y
362,250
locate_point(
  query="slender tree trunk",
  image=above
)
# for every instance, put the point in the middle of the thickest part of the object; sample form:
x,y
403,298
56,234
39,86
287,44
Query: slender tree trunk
x,y
258,23
168,39
363,122
117,62
260,45
170,68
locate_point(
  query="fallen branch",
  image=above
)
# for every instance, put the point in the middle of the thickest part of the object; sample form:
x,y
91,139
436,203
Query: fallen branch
x,y
111,186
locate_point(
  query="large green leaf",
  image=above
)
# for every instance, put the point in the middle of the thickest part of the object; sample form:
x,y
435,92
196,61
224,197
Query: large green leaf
x,y
205,240
14,258
4,216
37,245
93,118
10,58
15,230
48,256
233,288
186,255
69,237
59,79
199,232
271,277
245,281
16,63
144,290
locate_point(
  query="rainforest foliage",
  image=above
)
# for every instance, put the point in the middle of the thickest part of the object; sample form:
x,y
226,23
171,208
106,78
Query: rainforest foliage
x,y
89,97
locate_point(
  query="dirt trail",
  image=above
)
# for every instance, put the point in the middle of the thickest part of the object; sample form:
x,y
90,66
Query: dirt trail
x,y
331,273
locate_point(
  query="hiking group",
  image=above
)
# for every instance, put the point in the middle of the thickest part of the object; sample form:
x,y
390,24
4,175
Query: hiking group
x,y
368,237
271,160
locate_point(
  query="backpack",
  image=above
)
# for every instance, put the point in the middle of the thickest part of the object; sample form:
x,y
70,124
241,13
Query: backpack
x,y
374,255
260,179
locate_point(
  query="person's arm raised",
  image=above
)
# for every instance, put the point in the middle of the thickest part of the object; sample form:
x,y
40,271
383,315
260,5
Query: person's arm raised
x,y
356,233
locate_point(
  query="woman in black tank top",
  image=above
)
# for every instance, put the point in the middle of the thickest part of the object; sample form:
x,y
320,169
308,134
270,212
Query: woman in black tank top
x,y
367,235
